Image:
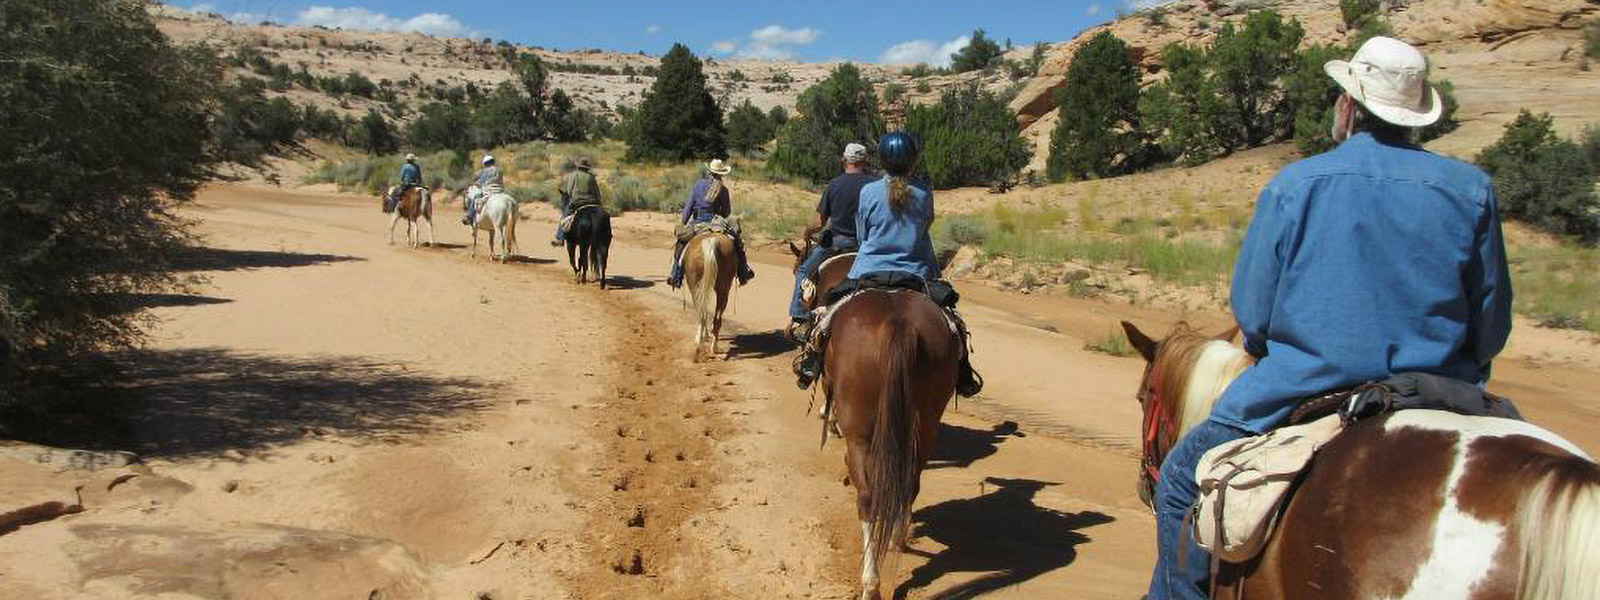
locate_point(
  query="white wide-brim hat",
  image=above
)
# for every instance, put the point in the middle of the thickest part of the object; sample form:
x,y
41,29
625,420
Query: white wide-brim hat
x,y
410,156
1390,78
488,159
719,167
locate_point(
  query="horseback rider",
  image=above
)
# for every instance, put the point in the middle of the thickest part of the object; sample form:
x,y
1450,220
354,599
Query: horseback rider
x,y
892,221
708,199
488,182
1319,294
835,221
578,189
410,174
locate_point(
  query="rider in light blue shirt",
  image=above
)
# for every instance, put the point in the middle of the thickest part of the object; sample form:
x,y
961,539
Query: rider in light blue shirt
x,y
1373,259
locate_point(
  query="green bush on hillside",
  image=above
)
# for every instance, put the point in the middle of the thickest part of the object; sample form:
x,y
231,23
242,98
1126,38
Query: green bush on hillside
x,y
836,111
749,129
1543,180
1249,66
1097,135
979,53
969,137
678,119
1181,113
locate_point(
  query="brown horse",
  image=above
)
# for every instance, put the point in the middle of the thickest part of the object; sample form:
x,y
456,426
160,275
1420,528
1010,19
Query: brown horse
x,y
1414,504
708,270
889,370
415,203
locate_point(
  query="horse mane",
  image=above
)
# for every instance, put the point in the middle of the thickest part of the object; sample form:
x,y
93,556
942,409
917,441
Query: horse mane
x,y
1191,370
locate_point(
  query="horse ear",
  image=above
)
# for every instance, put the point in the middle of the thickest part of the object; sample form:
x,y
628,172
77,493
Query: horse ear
x,y
1227,336
1140,341
793,248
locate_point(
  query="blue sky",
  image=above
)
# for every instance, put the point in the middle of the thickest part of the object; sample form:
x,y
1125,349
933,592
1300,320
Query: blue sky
x,y
885,30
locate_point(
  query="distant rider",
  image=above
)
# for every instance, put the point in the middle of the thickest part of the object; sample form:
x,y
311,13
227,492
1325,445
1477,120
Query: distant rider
x,y
892,224
578,189
488,182
835,221
1372,259
709,198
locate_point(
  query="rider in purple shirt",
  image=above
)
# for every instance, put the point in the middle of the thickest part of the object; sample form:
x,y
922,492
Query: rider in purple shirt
x,y
703,205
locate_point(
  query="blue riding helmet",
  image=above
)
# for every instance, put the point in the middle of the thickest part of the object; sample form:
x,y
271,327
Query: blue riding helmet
x,y
898,149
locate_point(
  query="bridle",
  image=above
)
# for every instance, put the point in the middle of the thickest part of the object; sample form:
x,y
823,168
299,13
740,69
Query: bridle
x,y
1157,433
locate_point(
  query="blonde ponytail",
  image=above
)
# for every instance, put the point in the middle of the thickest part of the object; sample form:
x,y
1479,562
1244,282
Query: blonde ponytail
x,y
899,192
715,189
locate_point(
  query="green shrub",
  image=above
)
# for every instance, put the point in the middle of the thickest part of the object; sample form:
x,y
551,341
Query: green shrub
x,y
1589,140
836,111
1591,39
1542,179
968,138
1357,12
678,119
1097,134
1249,66
108,128
1181,113
749,129
979,52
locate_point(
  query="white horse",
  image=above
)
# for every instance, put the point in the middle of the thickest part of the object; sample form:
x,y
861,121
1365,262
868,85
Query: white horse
x,y
498,216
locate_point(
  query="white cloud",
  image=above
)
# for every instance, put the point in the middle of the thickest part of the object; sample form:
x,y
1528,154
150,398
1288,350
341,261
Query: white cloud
x,y
924,51
1094,9
204,7
360,18
653,29
773,42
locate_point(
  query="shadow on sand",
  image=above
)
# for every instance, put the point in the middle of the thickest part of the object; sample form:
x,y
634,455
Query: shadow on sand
x,y
531,260
218,259
624,282
1002,534
766,344
203,401
143,301
961,446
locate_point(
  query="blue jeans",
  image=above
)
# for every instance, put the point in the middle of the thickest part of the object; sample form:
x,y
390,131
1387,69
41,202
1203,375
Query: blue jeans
x,y
561,236
1175,495
797,309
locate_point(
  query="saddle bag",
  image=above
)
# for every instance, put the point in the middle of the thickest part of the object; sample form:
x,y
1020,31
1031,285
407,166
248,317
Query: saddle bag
x,y
1244,485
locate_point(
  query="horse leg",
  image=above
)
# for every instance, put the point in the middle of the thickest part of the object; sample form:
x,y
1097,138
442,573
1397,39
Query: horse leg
x,y
394,218
431,242
856,461
474,241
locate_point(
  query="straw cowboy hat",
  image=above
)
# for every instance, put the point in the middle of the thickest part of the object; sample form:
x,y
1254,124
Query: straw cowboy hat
x,y
583,162
1390,78
410,156
719,167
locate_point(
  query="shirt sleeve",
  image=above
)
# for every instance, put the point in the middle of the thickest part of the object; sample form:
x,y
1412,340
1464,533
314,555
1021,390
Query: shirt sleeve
x,y
688,204
1255,274
822,204
1491,289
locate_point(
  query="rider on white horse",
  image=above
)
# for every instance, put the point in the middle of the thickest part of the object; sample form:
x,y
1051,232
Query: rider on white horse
x,y
489,182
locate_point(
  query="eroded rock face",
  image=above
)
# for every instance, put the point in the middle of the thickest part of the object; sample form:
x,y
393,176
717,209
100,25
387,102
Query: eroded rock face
x,y
1430,21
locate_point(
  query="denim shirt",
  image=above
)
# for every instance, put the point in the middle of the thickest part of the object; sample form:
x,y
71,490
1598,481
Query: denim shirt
x,y
1369,260
894,241
699,209
490,175
410,174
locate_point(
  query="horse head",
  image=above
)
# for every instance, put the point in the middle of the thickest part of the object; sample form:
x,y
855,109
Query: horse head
x,y
799,253
1165,391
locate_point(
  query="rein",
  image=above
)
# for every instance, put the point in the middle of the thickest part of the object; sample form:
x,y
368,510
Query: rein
x,y
1158,428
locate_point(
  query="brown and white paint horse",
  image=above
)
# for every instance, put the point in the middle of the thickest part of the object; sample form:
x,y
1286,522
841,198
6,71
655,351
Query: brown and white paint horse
x,y
1417,504
708,270
889,370
415,203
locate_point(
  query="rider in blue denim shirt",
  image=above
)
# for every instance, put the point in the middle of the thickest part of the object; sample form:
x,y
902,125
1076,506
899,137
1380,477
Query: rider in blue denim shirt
x,y
1372,259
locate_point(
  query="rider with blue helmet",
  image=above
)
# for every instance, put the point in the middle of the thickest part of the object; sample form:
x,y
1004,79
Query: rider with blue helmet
x,y
892,223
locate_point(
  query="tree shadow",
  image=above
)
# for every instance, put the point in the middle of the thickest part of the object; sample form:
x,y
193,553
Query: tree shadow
x,y
218,259
191,402
766,344
142,301
624,282
1001,533
959,447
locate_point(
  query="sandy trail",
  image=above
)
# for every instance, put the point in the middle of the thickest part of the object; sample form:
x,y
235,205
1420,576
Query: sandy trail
x,y
335,417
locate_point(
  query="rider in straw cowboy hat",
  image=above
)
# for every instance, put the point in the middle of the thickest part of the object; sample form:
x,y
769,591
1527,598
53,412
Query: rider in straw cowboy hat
x,y
708,198
1320,295
489,182
410,177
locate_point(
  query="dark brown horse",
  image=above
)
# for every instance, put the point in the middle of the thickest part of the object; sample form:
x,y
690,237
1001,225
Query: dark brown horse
x,y
829,274
889,370
708,269
1415,504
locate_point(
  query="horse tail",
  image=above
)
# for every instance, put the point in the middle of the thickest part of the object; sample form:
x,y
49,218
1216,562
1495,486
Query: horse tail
x,y
705,288
1559,523
892,467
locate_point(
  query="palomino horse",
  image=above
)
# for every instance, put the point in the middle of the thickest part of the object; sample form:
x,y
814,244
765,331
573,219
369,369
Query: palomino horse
x,y
415,203
589,243
498,216
708,266
889,370
1414,504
